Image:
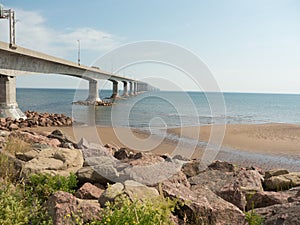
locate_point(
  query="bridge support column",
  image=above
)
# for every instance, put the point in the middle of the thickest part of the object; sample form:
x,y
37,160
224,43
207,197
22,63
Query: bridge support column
x,y
115,93
8,102
93,92
130,88
125,91
135,88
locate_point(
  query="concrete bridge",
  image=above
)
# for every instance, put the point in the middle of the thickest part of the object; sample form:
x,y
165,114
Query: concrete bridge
x,y
18,61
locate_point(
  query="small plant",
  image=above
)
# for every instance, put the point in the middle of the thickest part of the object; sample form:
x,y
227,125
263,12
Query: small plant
x,y
253,218
146,212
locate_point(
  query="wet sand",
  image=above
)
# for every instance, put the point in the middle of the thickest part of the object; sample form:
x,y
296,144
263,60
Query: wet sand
x,y
263,145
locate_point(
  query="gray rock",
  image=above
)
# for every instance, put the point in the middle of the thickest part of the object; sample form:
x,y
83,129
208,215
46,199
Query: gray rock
x,y
91,174
137,190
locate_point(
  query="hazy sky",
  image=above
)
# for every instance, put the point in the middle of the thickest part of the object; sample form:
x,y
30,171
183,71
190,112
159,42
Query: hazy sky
x,y
250,46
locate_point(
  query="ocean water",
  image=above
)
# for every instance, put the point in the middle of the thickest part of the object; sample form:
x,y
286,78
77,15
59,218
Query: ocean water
x,y
166,109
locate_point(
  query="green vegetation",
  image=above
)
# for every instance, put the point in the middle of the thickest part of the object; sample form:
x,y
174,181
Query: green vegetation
x,y
253,218
147,212
43,186
23,202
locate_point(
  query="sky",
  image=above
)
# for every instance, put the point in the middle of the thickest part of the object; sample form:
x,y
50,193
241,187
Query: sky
x,y
249,46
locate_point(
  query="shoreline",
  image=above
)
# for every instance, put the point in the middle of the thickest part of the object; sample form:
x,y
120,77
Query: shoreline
x,y
264,145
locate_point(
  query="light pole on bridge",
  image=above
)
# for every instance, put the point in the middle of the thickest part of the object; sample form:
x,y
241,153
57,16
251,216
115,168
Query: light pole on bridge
x,y
10,15
78,52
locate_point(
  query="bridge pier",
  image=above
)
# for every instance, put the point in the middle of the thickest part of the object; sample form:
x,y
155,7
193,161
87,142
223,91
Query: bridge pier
x,y
93,92
125,91
135,87
130,88
8,102
115,93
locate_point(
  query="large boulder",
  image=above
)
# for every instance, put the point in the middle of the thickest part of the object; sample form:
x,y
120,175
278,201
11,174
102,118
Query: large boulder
x,y
64,208
288,213
245,183
55,161
202,206
282,182
97,174
151,174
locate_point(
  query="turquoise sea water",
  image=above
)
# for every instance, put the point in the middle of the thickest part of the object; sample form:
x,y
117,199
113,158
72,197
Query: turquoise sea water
x,y
167,109
172,109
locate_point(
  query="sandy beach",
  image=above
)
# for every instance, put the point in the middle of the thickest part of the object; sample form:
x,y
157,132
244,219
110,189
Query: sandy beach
x,y
264,145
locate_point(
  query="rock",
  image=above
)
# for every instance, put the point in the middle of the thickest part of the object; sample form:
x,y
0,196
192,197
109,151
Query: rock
x,y
191,169
246,183
122,154
232,193
213,179
55,161
266,198
179,178
136,190
222,166
275,172
111,193
64,140
203,206
4,133
26,156
13,127
89,191
282,182
288,213
150,174
64,208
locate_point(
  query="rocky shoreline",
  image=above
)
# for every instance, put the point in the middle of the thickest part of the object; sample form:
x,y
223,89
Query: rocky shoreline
x,y
35,119
223,193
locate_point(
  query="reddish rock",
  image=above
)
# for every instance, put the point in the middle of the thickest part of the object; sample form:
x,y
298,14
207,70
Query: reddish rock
x,y
64,208
222,166
245,183
89,191
203,206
